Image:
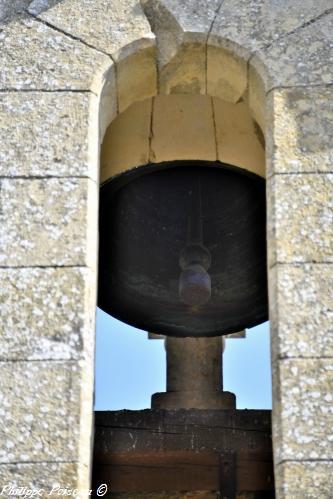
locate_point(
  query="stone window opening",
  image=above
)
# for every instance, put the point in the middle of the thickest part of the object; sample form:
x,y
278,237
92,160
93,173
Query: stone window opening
x,y
161,129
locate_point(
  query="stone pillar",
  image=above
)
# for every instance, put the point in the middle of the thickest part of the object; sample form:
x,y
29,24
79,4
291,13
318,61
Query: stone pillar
x,y
50,96
300,234
194,376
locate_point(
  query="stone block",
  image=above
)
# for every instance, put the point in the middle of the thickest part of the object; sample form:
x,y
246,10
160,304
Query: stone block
x,y
35,56
181,30
304,57
239,140
136,77
183,128
9,9
108,105
299,480
226,74
254,24
48,222
40,411
126,142
185,73
301,140
257,100
192,18
301,310
36,134
303,413
47,313
111,27
300,218
42,477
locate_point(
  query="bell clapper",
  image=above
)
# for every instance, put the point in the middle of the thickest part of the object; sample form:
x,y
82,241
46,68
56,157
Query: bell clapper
x,y
195,259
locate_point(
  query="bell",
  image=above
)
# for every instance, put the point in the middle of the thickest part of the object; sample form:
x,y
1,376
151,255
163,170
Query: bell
x,y
183,249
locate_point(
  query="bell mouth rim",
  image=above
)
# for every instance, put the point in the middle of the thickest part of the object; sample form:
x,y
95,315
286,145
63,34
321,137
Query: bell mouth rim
x,y
122,179
160,328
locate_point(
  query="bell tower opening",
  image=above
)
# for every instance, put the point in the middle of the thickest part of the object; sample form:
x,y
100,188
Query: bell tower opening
x,y
182,256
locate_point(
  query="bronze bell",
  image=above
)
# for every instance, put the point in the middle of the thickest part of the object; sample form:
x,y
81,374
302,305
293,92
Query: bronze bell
x,y
183,249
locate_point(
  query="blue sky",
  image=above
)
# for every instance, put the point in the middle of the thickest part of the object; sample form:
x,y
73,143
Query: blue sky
x,y
130,368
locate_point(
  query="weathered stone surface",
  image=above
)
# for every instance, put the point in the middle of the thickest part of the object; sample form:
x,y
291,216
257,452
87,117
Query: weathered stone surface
x,y
302,135
48,222
181,30
183,128
108,105
126,142
301,312
12,8
310,480
301,58
40,411
194,376
136,78
300,218
40,476
303,412
234,126
175,22
112,27
226,74
186,72
193,17
242,29
257,100
37,134
46,313
35,56
248,26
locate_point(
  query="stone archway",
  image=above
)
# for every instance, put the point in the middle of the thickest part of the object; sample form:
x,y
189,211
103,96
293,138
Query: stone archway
x,y
54,70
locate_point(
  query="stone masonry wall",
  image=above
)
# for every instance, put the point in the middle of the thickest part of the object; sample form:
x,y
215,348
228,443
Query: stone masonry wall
x,y
67,68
